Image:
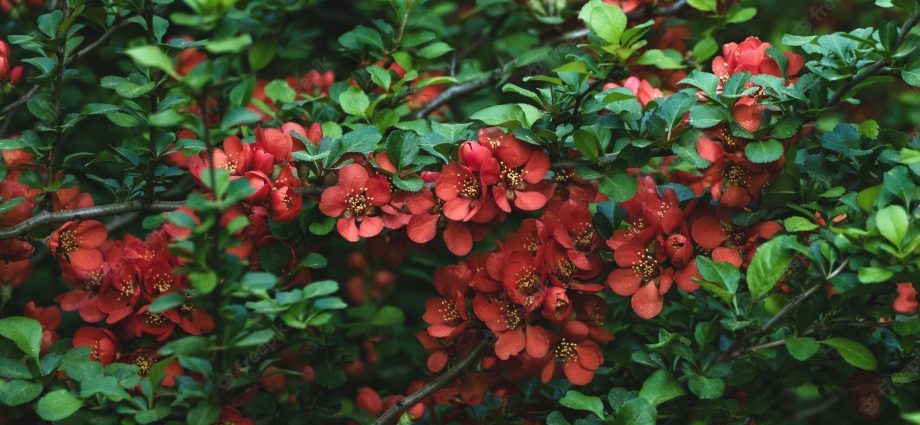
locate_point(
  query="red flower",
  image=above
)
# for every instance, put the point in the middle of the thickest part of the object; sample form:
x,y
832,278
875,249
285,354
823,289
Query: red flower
x,y
285,204
122,291
516,172
641,276
508,323
235,157
751,56
425,212
356,198
14,273
464,194
522,280
579,355
736,181
49,317
145,322
648,214
276,142
102,343
906,302
70,198
78,243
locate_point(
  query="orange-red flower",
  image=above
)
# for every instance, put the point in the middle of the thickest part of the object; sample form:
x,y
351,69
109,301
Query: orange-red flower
x,y
78,243
356,200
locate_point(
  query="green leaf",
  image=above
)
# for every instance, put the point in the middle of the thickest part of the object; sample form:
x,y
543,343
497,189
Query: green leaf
x,y
706,115
513,115
402,148
618,186
911,71
853,352
57,405
660,387
573,399
380,76
719,272
434,50
15,392
363,140
874,274
706,388
606,20
892,222
320,288
354,102
802,348
203,414
166,301
388,316
262,53
663,59
637,412
703,5
280,92
26,333
229,45
256,338
741,15
769,264
151,56
764,151
204,282
314,261
704,49
799,224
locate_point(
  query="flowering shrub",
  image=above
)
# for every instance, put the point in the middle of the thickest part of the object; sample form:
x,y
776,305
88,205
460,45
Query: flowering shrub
x,y
562,212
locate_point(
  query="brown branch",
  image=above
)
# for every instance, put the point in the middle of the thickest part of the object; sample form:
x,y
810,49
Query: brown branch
x,y
877,66
435,384
455,92
45,217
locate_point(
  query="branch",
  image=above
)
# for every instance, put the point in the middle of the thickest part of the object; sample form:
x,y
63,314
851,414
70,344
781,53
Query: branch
x,y
45,217
455,92
460,90
877,66
76,56
783,312
436,384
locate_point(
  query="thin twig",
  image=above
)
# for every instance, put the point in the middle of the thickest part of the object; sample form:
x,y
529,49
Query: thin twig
x,y
435,384
783,312
45,217
877,66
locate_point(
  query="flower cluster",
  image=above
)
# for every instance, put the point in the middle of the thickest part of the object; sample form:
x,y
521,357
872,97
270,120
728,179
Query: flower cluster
x,y
494,175
734,180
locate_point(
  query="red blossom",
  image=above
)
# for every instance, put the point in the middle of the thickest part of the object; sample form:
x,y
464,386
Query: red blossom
x,y
78,243
102,342
906,303
356,200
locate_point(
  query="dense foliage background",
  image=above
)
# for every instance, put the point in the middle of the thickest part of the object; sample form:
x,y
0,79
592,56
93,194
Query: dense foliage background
x,y
490,211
